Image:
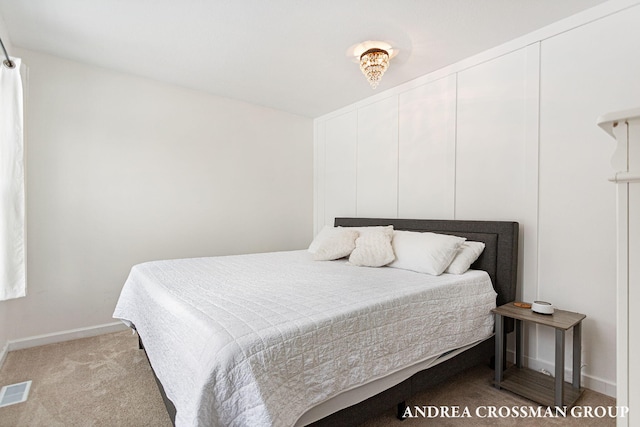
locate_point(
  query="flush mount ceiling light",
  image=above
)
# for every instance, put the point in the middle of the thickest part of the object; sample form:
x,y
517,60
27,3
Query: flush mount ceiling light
x,y
373,63
374,59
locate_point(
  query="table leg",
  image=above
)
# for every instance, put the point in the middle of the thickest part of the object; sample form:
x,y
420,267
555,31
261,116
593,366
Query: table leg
x,y
519,337
559,380
577,354
499,337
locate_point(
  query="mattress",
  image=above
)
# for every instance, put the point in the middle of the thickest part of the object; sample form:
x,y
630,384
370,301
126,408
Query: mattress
x,y
261,339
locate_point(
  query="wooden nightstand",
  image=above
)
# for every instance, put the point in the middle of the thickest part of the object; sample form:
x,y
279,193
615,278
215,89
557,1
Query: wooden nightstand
x,y
534,385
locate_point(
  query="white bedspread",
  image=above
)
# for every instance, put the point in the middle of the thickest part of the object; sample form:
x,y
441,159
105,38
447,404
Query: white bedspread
x,y
257,340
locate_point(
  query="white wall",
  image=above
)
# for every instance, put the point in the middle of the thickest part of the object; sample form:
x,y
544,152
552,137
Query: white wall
x,y
122,170
586,72
514,138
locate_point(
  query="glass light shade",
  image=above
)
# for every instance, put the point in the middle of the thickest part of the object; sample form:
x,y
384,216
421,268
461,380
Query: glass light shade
x,y
373,63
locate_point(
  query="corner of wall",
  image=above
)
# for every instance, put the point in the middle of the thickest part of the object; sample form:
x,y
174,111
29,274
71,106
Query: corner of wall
x,y
4,334
3,353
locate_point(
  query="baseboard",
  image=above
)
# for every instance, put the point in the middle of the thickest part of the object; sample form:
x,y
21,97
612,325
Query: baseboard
x,y
592,383
72,334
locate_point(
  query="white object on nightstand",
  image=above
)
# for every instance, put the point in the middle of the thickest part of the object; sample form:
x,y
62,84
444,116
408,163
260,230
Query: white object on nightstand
x,y
542,307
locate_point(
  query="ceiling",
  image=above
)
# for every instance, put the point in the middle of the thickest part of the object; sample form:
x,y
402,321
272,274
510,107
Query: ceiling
x,y
289,55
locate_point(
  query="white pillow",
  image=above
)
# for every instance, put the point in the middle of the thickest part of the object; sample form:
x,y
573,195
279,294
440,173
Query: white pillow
x,y
467,255
372,228
333,243
321,236
373,247
424,252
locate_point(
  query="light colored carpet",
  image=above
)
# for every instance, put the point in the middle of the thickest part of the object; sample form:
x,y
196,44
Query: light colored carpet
x,y
106,381
98,381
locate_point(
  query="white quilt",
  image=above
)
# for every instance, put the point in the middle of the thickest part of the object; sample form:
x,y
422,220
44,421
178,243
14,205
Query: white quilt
x,y
257,340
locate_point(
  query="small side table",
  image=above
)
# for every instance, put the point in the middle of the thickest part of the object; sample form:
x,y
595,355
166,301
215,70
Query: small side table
x,y
531,384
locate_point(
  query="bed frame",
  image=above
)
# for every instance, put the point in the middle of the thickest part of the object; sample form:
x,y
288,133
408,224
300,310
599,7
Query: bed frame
x,y
499,260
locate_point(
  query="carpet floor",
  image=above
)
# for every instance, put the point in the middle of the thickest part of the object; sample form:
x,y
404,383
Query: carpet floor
x,y
106,381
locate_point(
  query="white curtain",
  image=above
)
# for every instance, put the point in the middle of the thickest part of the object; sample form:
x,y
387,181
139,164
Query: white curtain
x,y
12,219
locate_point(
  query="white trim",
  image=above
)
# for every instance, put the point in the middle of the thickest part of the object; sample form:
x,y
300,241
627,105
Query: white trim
x,y
625,177
529,266
71,334
609,121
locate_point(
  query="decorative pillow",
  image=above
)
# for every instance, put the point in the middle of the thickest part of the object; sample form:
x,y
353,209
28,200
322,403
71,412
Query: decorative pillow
x,y
424,252
326,231
333,243
373,247
371,228
467,255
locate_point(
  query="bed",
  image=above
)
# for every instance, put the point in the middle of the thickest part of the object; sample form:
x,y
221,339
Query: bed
x,y
280,339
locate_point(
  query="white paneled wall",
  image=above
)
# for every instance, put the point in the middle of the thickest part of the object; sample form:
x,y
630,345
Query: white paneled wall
x,y
490,146
585,73
427,150
496,148
377,162
507,135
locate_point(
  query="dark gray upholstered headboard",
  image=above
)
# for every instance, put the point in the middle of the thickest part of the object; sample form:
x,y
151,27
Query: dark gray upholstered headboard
x,y
499,259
